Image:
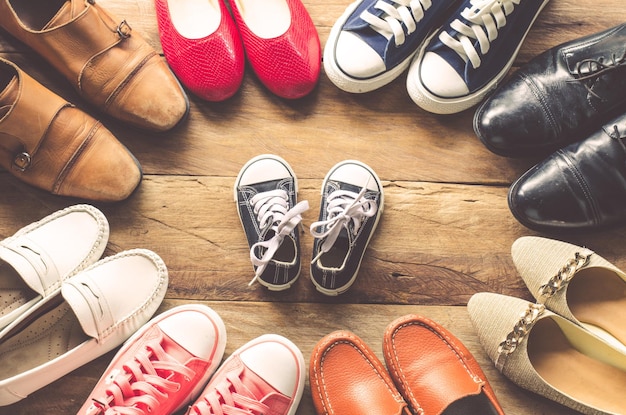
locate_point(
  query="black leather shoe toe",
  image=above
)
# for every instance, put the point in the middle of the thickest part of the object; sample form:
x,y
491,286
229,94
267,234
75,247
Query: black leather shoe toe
x,y
514,121
580,187
557,98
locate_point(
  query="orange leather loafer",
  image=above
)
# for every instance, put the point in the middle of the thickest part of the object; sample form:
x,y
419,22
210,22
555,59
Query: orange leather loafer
x,y
346,378
48,143
434,371
109,64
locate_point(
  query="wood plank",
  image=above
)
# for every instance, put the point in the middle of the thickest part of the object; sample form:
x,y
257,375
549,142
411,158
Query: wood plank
x,y
436,243
305,325
383,128
445,234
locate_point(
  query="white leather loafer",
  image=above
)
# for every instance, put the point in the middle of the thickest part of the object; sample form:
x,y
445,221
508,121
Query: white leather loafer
x,y
95,311
39,257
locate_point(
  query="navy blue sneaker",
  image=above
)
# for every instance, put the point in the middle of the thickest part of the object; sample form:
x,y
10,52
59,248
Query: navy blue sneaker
x,y
352,203
373,42
473,51
265,192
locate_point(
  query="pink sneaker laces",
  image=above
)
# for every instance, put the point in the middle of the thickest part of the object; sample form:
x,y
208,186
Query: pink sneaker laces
x,y
230,397
143,384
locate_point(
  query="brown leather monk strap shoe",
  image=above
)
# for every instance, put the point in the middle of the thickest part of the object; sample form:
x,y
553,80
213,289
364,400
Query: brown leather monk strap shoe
x,y
48,143
109,64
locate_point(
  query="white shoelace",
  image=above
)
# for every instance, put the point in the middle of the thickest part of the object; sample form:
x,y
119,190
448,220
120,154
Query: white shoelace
x,y
408,12
272,210
487,17
343,206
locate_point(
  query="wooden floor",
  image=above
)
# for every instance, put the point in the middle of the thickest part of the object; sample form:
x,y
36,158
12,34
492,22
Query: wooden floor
x,y
445,233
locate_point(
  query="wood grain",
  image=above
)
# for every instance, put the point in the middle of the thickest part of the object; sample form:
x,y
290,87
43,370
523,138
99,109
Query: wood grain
x,y
445,234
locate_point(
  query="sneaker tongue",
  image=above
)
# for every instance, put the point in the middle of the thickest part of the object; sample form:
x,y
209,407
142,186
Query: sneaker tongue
x,y
66,13
8,96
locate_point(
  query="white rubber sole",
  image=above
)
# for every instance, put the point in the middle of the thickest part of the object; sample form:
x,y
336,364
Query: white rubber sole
x,y
346,82
439,105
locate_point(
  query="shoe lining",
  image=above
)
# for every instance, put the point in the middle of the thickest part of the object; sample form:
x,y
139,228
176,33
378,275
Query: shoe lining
x,y
266,19
35,14
597,297
286,252
40,339
195,19
589,381
335,257
475,404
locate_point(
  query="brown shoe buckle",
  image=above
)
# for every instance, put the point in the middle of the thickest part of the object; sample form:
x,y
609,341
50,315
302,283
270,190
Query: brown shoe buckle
x,y
22,161
124,29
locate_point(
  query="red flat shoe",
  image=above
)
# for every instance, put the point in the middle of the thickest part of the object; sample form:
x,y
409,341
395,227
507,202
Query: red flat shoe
x,y
281,43
202,46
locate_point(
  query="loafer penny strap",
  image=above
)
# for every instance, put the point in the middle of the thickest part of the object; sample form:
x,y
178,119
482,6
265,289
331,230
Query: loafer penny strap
x,y
89,304
32,263
25,125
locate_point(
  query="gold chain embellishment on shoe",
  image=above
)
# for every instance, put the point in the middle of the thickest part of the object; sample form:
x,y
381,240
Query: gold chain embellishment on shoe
x,y
520,330
563,277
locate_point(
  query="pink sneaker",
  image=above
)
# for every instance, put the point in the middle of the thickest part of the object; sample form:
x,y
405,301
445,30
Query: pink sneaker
x,y
264,376
163,366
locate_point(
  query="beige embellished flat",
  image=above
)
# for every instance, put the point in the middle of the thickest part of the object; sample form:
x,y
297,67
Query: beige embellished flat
x,y
549,355
575,283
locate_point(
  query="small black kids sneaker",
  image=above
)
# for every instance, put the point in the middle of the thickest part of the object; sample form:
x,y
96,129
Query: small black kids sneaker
x,y
265,192
352,203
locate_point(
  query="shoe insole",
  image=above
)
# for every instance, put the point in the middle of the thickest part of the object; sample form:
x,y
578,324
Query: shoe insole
x,y
336,256
14,293
286,252
597,297
471,405
40,339
266,18
35,14
195,19
594,383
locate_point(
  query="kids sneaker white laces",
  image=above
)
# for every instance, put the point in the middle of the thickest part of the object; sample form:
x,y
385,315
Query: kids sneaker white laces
x,y
230,397
142,386
272,210
408,12
486,18
343,207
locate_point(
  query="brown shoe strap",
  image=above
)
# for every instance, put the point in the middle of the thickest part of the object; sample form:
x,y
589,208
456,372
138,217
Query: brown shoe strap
x,y
24,126
70,47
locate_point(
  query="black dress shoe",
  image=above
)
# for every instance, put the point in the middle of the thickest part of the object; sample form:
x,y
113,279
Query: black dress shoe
x,y
557,98
580,187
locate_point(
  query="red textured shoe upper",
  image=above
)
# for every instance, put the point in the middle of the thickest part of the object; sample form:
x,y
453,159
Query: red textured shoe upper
x,y
288,65
211,67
